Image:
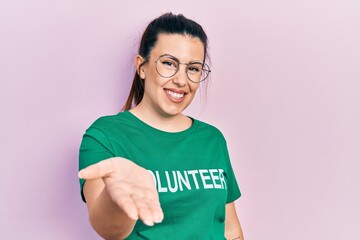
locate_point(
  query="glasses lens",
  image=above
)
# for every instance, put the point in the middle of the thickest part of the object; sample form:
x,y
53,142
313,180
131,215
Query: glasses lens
x,y
198,72
205,72
167,66
194,71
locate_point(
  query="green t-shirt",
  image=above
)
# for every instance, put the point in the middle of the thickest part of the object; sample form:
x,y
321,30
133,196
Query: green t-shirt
x,y
191,169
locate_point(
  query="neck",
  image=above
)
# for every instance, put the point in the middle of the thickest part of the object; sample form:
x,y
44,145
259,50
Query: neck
x,y
167,123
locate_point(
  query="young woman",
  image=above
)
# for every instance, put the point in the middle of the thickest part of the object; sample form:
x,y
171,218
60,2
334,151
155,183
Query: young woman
x,y
152,141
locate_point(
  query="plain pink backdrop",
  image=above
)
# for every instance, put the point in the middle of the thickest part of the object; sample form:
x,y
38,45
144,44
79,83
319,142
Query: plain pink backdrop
x,y
284,91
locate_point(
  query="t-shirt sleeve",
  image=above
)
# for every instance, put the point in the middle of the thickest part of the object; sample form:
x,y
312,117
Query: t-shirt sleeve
x,y
232,185
95,146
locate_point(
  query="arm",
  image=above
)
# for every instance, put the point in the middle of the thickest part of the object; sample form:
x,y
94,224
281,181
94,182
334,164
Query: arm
x,y
118,192
233,229
107,219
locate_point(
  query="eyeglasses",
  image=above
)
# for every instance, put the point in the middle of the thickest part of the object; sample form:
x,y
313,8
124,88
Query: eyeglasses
x,y
167,66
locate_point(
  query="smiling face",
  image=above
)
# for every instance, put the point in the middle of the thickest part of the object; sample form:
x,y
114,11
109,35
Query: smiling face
x,y
170,96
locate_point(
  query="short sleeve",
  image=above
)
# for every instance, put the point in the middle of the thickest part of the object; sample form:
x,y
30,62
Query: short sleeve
x,y
95,146
232,185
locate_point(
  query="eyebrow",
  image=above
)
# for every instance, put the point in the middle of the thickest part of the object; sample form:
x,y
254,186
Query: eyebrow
x,y
175,58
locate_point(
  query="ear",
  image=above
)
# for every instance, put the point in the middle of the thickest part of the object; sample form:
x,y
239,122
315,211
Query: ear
x,y
140,69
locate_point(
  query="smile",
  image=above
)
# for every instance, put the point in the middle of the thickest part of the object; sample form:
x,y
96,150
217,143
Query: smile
x,y
175,95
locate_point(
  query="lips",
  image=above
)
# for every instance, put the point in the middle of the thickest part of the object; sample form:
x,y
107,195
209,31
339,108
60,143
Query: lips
x,y
175,95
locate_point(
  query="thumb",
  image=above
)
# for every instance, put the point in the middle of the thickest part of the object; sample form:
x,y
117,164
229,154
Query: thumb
x,y
97,170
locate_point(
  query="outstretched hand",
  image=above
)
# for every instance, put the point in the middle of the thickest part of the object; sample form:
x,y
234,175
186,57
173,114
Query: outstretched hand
x,y
130,186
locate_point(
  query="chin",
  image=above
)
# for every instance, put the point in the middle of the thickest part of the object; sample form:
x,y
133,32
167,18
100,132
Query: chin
x,y
171,112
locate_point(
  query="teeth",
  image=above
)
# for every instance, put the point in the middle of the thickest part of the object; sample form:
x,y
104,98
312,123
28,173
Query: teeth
x,y
175,95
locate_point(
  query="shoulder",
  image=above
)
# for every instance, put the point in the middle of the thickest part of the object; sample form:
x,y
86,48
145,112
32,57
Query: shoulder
x,y
209,129
108,122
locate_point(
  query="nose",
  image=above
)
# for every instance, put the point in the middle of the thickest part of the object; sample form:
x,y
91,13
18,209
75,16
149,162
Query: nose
x,y
181,78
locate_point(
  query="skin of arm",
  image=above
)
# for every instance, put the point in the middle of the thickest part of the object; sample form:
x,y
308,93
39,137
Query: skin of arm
x,y
118,193
233,229
108,220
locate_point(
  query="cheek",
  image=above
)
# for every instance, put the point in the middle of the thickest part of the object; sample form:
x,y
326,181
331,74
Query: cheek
x,y
149,72
194,87
151,77
153,84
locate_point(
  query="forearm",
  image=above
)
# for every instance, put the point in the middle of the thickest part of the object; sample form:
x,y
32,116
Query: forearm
x,y
236,234
233,230
108,220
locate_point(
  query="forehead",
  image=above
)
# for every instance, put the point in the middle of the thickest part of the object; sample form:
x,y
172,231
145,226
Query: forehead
x,y
183,47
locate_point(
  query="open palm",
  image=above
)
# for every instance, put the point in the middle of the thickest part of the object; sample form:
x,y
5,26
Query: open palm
x,y
130,186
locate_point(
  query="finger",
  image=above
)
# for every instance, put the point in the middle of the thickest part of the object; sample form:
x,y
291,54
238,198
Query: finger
x,y
148,205
97,170
156,212
126,203
153,204
144,212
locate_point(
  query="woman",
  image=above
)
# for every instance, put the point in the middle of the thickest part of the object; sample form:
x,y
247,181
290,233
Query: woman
x,y
121,156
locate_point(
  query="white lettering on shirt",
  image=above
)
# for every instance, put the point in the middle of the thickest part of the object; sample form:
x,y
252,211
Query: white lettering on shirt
x,y
174,181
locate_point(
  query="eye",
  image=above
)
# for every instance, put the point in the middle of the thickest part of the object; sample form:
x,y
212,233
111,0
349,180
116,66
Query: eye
x,y
169,63
194,68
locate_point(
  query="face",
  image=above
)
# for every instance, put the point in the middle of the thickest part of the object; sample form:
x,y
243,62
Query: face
x,y
170,96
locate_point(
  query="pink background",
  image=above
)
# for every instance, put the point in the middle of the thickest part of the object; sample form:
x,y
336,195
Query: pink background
x,y
284,91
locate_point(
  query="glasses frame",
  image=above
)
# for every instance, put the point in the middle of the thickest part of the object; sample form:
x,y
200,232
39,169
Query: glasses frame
x,y
207,71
